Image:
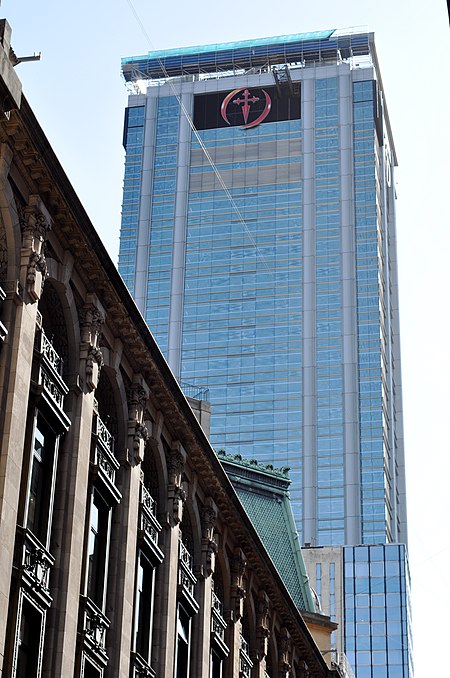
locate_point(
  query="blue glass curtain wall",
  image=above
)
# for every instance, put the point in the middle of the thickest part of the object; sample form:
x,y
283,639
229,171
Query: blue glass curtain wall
x,y
377,611
370,318
134,146
162,215
242,326
329,352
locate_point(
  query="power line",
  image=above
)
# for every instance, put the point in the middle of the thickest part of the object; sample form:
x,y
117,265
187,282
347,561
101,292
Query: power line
x,y
201,143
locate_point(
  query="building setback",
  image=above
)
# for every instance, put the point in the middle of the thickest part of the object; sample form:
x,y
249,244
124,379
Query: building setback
x,y
125,551
258,239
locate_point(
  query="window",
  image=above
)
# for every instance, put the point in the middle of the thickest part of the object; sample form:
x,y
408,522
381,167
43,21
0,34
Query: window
x,y
41,482
98,549
183,633
29,642
90,671
144,604
216,665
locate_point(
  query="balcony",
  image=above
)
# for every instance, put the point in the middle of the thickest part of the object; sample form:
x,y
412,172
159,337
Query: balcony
x,y
140,667
218,625
103,461
34,564
186,579
149,527
47,376
196,392
245,663
94,625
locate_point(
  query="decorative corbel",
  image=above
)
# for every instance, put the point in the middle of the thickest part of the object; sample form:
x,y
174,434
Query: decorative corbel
x,y
91,321
35,223
208,517
284,653
176,493
238,565
137,431
262,624
303,670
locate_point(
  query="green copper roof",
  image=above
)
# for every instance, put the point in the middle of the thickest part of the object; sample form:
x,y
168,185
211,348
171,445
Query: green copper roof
x,y
263,492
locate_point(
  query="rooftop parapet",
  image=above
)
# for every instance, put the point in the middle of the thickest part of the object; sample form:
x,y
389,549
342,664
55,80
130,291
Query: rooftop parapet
x,y
262,53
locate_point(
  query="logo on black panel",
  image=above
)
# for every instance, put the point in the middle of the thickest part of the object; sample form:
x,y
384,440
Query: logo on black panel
x,y
246,108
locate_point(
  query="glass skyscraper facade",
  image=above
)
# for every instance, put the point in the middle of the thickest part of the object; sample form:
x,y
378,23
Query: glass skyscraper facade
x,y
258,239
377,611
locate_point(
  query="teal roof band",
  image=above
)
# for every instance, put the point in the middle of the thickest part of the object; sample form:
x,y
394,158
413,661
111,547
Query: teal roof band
x,y
220,47
300,48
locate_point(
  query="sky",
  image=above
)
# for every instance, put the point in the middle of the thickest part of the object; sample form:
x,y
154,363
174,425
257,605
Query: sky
x,y
79,96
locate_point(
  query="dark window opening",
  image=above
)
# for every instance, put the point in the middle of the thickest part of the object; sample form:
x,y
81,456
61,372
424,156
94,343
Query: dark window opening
x,y
28,641
39,498
97,549
183,630
216,665
91,671
144,603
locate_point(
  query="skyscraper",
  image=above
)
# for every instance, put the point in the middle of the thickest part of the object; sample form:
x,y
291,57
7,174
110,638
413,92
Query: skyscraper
x,y
258,238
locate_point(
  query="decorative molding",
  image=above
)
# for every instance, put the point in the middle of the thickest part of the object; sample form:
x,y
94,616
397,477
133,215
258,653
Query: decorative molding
x,y
208,517
35,223
284,652
262,624
91,321
94,363
176,492
137,430
34,220
238,567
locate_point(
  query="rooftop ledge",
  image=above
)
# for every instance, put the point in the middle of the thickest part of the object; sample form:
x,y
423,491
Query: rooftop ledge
x,y
294,48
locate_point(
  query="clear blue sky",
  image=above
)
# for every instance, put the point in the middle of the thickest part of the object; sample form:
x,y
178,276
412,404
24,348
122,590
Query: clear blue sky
x,y
78,95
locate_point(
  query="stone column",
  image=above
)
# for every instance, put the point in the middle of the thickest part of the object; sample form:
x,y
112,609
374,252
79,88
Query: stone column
x,y
71,497
17,355
262,632
124,536
165,628
202,622
284,653
233,616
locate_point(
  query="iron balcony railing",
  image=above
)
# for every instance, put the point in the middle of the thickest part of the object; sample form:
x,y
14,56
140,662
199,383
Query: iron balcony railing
x,y
148,522
103,449
218,623
48,370
196,392
245,663
187,579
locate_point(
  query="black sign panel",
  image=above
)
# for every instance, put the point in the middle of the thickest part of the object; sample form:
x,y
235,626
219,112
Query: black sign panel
x,y
246,107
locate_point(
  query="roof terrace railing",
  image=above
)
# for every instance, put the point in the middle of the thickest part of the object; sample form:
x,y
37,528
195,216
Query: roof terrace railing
x,y
237,57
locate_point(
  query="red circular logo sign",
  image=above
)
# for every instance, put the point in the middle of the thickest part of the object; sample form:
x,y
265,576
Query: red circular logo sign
x,y
252,107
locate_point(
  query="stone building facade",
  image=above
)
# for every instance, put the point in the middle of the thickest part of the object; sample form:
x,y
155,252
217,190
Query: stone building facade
x,y
124,548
